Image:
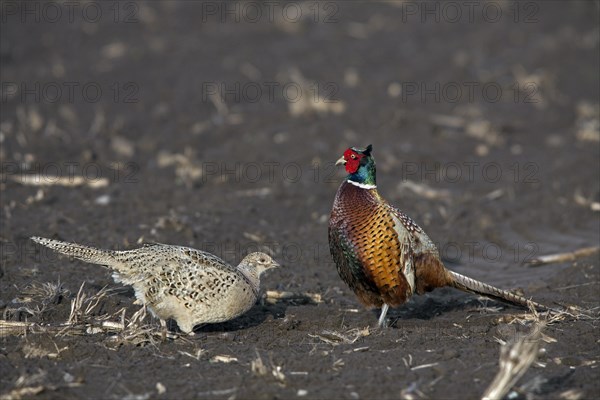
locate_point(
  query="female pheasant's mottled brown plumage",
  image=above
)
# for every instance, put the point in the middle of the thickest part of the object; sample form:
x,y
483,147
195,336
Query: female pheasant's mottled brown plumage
x,y
191,286
383,255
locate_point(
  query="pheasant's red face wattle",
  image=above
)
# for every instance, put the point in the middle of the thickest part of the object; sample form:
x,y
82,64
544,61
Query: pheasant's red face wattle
x,y
352,160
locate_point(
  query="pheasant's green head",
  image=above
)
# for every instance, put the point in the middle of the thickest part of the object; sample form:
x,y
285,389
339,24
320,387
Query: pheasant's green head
x,y
360,166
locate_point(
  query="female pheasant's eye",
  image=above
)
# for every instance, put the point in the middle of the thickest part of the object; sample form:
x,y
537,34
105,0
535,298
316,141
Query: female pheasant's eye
x,y
262,260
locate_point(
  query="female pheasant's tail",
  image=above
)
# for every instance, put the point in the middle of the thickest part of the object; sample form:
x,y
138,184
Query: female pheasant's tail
x,y
84,253
473,286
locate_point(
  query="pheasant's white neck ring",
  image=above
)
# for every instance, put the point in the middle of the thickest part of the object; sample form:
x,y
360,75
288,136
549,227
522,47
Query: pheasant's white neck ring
x,y
362,185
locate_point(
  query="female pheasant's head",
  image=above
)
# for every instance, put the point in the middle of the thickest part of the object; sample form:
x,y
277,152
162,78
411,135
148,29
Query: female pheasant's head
x,y
360,166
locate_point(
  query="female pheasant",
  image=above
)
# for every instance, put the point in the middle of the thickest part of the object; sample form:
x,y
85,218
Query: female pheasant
x,y
191,286
381,254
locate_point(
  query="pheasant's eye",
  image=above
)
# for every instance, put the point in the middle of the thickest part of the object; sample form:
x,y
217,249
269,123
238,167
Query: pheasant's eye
x,y
353,156
262,260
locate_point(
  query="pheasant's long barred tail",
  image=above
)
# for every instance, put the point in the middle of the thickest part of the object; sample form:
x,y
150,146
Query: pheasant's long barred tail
x,y
84,253
474,286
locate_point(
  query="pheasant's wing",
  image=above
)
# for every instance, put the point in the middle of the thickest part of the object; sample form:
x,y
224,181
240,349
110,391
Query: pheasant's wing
x,y
421,241
153,257
186,273
408,232
428,270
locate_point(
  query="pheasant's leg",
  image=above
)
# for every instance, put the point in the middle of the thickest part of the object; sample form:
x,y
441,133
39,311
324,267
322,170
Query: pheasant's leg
x,y
382,321
163,328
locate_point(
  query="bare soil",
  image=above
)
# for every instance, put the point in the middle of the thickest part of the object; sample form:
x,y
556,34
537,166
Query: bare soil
x,y
168,154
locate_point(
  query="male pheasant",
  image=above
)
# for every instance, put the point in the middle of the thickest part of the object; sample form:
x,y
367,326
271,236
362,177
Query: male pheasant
x,y
191,286
382,254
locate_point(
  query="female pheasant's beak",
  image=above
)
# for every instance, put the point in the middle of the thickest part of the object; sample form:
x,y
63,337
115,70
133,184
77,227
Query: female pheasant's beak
x,y
341,161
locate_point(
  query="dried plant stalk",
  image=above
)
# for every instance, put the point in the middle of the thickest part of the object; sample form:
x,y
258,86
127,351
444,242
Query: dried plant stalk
x,y
562,257
515,359
272,296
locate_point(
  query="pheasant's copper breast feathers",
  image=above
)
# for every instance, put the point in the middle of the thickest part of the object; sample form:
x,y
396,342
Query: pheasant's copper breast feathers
x,y
372,247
